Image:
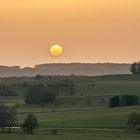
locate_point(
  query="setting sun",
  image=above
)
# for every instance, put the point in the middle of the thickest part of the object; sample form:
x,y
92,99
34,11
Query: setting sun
x,y
56,50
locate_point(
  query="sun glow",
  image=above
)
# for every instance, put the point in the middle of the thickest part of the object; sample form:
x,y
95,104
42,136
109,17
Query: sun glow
x,y
56,50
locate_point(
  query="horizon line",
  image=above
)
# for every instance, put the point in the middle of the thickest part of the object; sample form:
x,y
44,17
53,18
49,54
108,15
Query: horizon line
x,y
34,66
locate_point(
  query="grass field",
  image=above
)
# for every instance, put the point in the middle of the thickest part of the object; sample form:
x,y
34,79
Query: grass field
x,y
73,117
96,89
75,136
85,118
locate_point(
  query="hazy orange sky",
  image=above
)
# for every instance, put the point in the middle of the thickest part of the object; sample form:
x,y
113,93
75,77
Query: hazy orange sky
x,y
88,30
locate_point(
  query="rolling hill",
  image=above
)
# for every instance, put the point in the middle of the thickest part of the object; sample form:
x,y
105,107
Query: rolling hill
x,y
91,69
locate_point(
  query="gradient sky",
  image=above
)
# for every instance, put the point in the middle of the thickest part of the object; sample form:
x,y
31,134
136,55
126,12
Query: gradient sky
x,y
88,30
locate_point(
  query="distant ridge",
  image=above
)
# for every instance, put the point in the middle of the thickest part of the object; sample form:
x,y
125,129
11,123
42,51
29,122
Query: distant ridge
x,y
87,69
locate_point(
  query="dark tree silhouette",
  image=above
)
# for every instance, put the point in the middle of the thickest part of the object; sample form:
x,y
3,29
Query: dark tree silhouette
x,y
134,120
135,68
124,100
8,117
39,95
114,102
30,124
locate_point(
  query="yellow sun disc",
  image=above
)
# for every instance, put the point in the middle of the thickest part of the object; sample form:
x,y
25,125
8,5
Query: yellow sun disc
x,y
56,50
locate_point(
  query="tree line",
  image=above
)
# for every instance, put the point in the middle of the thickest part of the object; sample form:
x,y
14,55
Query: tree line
x,y
41,94
62,87
123,100
7,91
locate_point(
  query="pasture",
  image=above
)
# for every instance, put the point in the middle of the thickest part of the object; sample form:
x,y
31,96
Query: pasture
x,y
84,115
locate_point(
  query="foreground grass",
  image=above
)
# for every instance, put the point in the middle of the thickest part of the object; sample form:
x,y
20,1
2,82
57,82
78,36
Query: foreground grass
x,y
86,118
95,135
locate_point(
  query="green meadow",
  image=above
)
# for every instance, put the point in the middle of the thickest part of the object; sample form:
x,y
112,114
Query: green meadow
x,y
84,115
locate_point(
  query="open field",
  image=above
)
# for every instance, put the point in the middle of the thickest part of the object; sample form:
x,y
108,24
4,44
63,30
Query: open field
x,y
73,117
97,89
86,118
95,135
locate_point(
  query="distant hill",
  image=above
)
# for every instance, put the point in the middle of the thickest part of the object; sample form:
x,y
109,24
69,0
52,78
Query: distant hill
x,y
66,69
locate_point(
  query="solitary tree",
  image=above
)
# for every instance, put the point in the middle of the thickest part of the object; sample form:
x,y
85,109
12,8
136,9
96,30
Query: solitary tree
x,y
12,118
134,120
135,68
8,117
30,124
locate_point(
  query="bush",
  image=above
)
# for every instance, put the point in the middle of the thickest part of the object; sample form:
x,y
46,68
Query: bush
x,y
54,131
